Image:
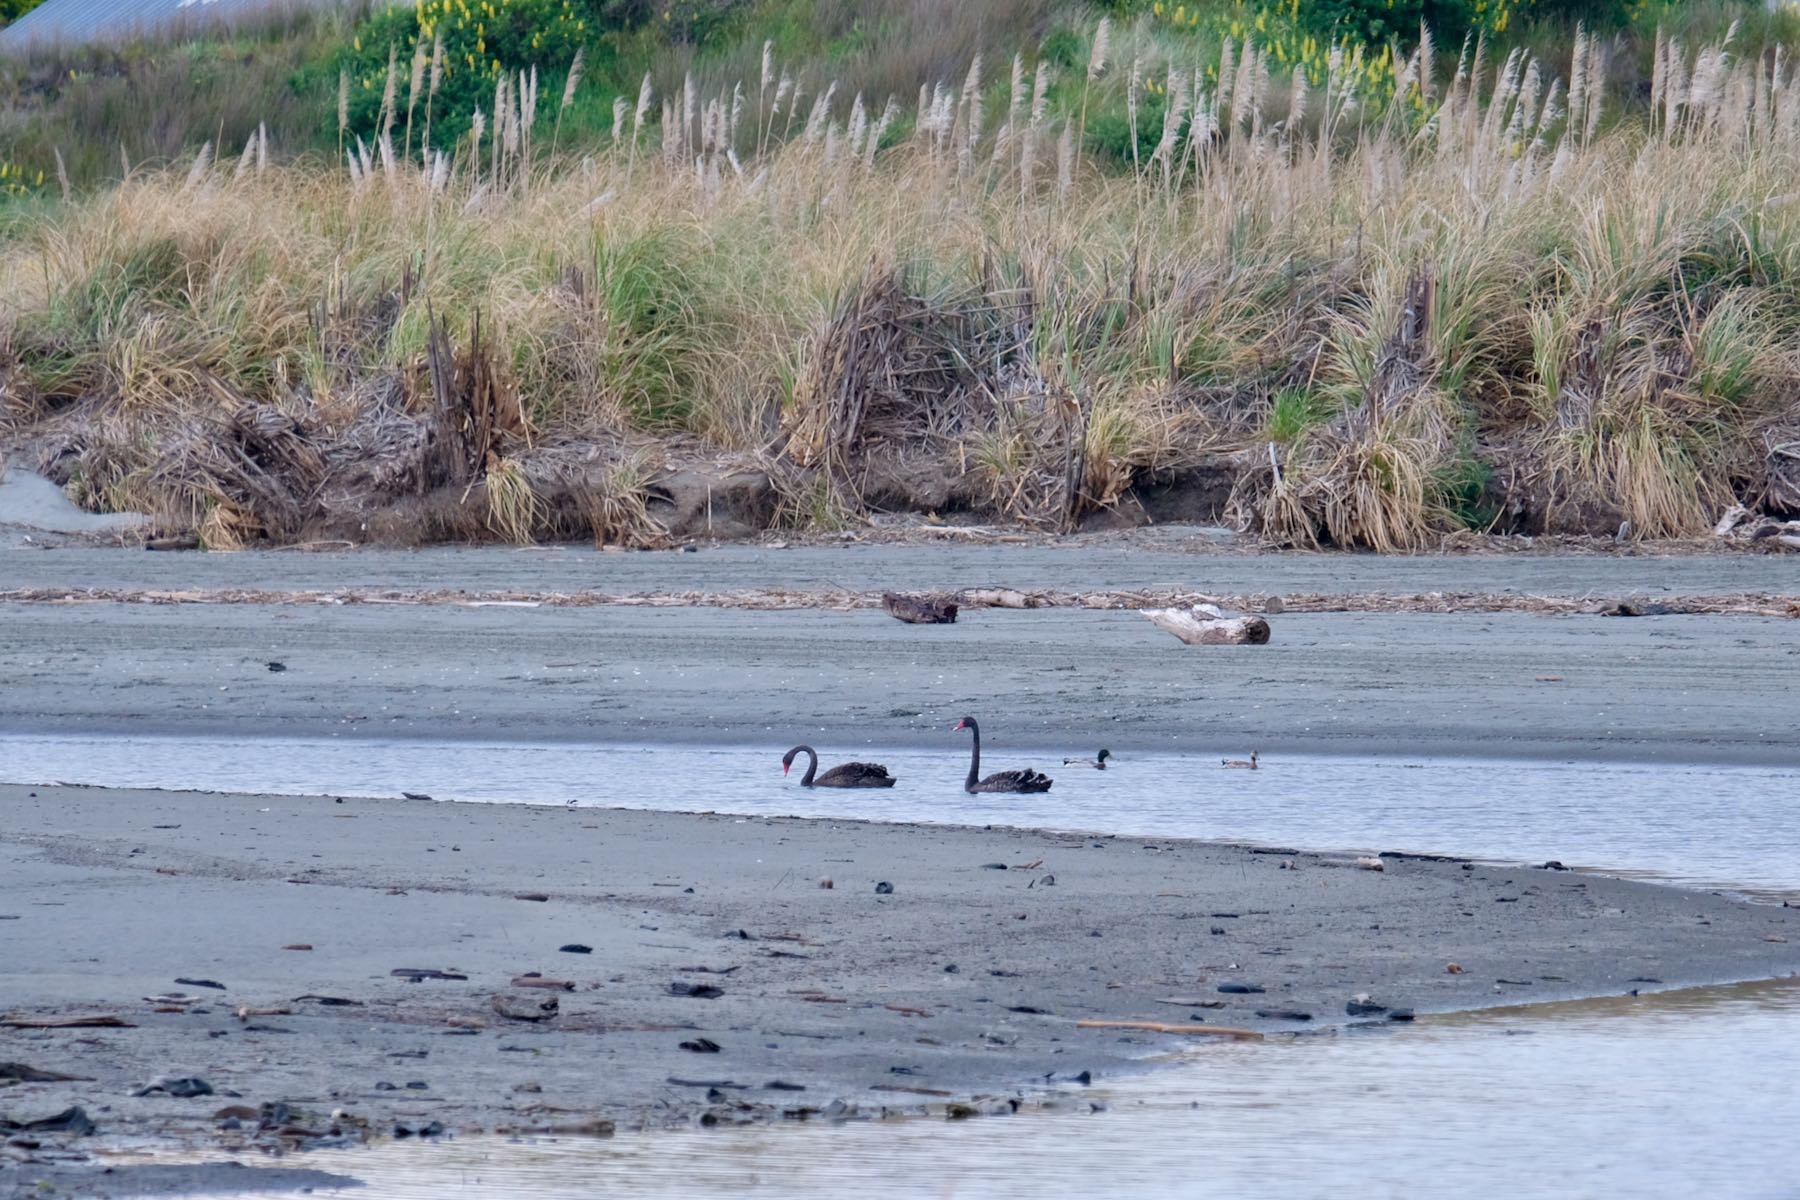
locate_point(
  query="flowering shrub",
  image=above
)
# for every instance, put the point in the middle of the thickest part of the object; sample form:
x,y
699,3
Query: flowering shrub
x,y
15,181
481,39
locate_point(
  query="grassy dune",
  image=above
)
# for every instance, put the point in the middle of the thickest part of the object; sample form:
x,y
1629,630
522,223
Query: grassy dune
x,y
1487,302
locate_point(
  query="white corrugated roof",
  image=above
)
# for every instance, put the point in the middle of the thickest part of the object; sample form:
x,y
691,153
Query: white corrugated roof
x,y
73,22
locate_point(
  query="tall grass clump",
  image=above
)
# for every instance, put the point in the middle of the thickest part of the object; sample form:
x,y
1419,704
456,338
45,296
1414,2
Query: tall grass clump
x,y
1492,298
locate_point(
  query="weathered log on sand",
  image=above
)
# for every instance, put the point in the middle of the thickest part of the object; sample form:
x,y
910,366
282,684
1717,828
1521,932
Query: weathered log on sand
x,y
999,598
1208,625
919,610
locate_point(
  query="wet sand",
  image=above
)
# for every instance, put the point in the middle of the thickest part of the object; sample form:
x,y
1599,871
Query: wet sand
x,y
1674,688
965,981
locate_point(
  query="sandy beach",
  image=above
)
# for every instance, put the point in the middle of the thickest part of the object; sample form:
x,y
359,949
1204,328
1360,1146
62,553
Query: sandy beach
x,y
963,984
381,950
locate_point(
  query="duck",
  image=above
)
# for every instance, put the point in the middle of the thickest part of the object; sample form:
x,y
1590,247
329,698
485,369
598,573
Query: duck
x,y
1024,781
849,775
1098,762
1247,764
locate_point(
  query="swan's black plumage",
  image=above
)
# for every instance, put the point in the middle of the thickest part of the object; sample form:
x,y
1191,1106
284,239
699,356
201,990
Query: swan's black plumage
x,y
1025,781
849,775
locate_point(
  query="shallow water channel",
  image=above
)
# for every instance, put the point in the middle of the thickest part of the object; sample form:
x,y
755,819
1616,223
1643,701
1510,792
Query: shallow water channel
x,y
1703,826
1684,1094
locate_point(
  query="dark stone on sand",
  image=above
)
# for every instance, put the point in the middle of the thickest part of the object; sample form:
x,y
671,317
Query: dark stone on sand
x,y
417,1085
1553,865
432,1129
782,1085
993,866
1364,1008
1030,1010
884,888
538,897
1283,1014
1233,988
575,948
951,969
1085,1078
1400,1014
701,1046
205,983
382,1085
277,667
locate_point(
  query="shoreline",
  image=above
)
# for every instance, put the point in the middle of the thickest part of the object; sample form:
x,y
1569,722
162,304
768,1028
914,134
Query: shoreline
x,y
1577,750
835,996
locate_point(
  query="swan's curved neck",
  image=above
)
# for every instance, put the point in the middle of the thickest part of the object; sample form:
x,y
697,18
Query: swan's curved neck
x,y
812,765
974,756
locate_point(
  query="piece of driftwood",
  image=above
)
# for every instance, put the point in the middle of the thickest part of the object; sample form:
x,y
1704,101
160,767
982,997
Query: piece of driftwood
x,y
538,981
919,610
1209,625
1245,1035
999,598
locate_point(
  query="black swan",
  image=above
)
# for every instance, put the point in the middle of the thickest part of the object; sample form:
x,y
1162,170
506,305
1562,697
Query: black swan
x,y
1001,781
1248,764
1098,762
855,774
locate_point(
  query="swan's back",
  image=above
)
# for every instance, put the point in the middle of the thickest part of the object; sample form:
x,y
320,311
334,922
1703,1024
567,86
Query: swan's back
x,y
856,775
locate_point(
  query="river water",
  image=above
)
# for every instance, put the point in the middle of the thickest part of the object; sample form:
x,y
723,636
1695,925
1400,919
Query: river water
x,y
1692,1093
1703,826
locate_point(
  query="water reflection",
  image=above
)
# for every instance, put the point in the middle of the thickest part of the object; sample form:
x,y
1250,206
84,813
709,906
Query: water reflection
x,y
1681,1094
1706,826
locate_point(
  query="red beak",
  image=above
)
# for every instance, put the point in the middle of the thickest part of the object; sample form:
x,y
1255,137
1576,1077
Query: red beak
x,y
956,727
784,767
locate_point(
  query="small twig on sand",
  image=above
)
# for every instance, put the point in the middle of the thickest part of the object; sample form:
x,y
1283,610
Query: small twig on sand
x,y
1246,1035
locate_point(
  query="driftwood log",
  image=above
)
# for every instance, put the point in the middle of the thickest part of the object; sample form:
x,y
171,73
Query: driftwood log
x,y
1209,625
919,610
999,598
